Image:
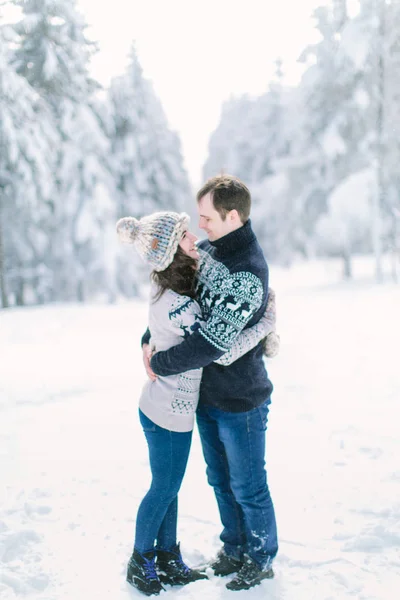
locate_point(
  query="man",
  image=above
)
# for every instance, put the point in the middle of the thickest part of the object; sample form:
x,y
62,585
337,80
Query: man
x,y
232,414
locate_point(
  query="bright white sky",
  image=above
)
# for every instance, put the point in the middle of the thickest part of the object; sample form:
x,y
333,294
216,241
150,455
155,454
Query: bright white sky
x,y
199,53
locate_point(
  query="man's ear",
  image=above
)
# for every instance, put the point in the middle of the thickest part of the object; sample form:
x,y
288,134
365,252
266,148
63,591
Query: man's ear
x,y
233,216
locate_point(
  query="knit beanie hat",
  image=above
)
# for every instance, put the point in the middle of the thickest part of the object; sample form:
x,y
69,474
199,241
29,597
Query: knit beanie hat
x,y
156,237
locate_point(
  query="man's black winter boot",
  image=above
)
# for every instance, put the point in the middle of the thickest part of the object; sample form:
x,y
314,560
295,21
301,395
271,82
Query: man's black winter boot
x,y
142,573
224,564
249,575
172,570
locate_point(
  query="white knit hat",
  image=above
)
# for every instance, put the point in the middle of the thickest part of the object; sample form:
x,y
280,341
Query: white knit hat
x,y
156,237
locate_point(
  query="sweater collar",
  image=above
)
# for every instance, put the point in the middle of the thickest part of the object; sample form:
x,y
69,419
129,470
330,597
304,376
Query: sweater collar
x,y
235,240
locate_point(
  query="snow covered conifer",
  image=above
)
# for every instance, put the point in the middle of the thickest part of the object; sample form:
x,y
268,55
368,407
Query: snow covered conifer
x,y
53,55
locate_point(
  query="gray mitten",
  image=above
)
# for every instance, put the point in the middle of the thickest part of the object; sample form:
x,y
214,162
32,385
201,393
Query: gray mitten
x,y
271,344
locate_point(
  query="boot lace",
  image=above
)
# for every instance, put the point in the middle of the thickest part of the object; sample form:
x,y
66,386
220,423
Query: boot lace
x,y
248,571
149,568
179,561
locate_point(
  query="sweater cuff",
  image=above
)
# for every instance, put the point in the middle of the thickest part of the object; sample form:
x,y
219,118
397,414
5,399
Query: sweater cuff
x,y
145,337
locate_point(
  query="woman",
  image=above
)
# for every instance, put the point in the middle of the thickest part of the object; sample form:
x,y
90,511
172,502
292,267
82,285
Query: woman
x,y
167,405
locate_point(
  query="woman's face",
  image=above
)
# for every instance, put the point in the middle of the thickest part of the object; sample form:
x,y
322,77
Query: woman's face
x,y
188,244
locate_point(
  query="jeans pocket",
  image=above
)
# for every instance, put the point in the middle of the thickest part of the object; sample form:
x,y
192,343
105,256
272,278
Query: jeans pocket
x,y
147,424
263,412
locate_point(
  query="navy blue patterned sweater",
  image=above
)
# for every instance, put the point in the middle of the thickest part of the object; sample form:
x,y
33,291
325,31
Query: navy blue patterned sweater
x,y
232,292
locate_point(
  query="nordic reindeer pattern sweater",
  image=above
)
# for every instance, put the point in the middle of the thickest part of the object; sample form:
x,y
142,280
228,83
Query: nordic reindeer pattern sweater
x,y
171,401
232,293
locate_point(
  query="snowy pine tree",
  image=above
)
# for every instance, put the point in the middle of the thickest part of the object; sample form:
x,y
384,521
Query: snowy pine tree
x,y
329,127
372,39
27,141
339,13
147,160
251,141
53,55
147,154
346,228
390,87
229,148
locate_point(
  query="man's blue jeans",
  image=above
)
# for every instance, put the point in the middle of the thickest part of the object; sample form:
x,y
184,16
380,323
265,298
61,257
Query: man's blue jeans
x,y
234,450
156,519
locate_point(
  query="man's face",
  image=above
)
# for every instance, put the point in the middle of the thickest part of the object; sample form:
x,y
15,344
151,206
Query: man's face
x,y
211,221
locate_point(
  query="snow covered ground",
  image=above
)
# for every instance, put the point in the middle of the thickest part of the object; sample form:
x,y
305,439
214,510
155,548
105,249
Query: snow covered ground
x,y
73,459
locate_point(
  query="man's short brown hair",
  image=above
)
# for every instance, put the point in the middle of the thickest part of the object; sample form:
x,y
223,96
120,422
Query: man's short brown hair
x,y
228,193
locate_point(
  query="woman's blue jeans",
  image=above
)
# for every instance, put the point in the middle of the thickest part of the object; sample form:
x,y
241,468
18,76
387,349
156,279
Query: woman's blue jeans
x,y
234,450
156,521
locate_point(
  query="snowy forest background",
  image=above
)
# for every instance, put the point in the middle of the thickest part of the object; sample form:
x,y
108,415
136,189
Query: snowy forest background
x,y
321,159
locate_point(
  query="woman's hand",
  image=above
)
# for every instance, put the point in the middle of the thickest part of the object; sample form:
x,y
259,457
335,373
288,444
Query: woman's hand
x,y
148,352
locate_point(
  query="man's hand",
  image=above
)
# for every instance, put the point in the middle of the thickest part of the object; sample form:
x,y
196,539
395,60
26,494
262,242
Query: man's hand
x,y
147,354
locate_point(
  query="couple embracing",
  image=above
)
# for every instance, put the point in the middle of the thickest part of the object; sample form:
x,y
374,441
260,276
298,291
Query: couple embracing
x,y
211,321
